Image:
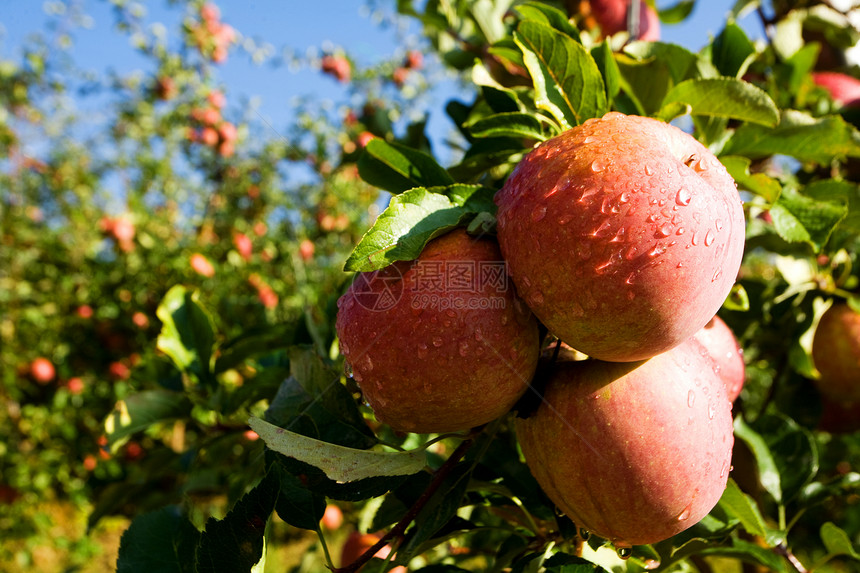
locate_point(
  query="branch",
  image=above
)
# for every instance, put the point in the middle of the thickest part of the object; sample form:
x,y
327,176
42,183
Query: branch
x,y
410,515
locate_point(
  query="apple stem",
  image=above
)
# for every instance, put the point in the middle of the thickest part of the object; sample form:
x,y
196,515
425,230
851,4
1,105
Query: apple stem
x,y
419,504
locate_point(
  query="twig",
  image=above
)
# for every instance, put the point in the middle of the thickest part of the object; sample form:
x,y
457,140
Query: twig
x,y
410,515
781,549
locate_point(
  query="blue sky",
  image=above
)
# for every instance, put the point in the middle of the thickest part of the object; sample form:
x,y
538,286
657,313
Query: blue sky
x,y
292,25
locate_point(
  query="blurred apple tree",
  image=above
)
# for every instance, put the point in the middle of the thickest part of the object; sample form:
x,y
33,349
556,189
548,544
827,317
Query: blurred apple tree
x,y
182,281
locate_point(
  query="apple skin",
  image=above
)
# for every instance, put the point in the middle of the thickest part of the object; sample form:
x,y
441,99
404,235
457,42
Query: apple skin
x,y
426,368
624,235
723,347
839,417
836,353
844,89
611,15
357,543
633,452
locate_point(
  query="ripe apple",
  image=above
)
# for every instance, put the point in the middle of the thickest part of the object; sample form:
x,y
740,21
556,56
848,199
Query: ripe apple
x,y
722,346
624,235
839,417
337,66
836,353
76,385
441,343
844,89
42,370
306,250
332,519
243,245
140,320
85,311
216,99
611,15
119,370
357,543
633,452
201,265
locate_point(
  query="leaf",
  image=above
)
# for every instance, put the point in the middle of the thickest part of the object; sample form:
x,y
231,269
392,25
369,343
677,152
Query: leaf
x,y
798,135
838,191
567,81
605,60
162,540
296,504
412,219
837,541
508,125
724,97
187,335
739,505
339,463
140,411
677,13
798,218
749,552
396,168
732,52
738,299
761,184
236,542
548,16
793,449
254,342
768,473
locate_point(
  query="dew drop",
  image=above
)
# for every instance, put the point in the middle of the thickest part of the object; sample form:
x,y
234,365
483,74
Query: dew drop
x,y
648,170
464,348
437,341
663,231
536,298
630,253
539,213
598,164
685,513
589,139
657,251
711,410
422,350
718,224
347,369
631,278
680,231
565,219
717,275
679,265
652,218
623,551
624,197
601,229
584,534
651,564
344,349
709,238
588,192
691,398
619,236
695,240
683,197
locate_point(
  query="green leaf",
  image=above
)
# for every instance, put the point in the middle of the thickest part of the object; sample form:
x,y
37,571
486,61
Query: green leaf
x,y
396,168
732,52
738,299
837,541
742,507
412,219
768,473
187,333
677,13
605,60
793,449
509,125
799,135
567,81
798,218
838,191
548,16
296,504
749,552
254,342
236,542
681,63
761,184
162,541
139,411
724,97
339,463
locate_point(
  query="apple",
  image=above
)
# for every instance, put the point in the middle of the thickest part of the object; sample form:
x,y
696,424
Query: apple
x,y
357,543
633,452
42,370
399,76
364,138
611,16
210,12
243,245
722,346
441,343
202,266
209,136
843,89
332,519
839,417
227,131
624,235
306,250
75,385
216,99
836,353
414,60
140,320
85,311
337,66
119,370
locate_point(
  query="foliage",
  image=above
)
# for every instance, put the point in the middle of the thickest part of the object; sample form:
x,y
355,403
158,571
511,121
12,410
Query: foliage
x,y
167,262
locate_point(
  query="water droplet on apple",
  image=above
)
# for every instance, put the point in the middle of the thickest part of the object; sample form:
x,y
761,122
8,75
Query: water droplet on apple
x,y
685,513
691,398
536,298
648,170
588,192
539,213
695,240
624,197
598,164
683,197
631,278
619,236
663,231
680,231
422,350
601,229
623,551
584,534
709,238
344,349
464,348
717,274
437,341
657,251
718,224
712,410
630,253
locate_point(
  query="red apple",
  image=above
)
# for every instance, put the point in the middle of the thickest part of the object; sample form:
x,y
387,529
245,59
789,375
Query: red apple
x,y
332,519
722,346
85,311
337,66
441,343
243,245
202,266
75,385
227,131
611,15
400,76
119,370
216,99
357,543
624,235
414,60
836,353
364,138
844,89
839,417
42,370
140,320
306,250
209,136
633,452
210,12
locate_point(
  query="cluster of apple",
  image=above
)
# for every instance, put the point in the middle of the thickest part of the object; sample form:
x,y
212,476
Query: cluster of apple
x,y
622,237
212,130
212,36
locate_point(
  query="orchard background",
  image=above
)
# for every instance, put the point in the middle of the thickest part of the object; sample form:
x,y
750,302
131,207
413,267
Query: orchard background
x,y
171,258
